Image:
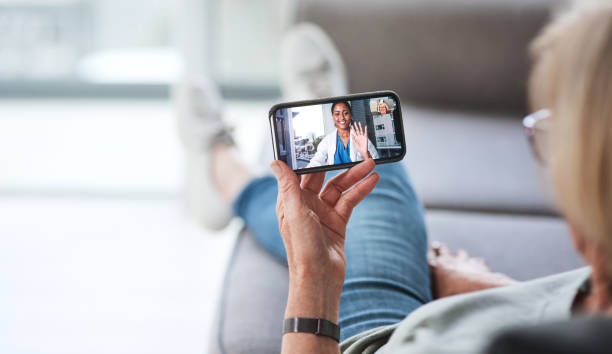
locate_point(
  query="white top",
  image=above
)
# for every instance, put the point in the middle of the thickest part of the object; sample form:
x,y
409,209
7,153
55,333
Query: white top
x,y
327,149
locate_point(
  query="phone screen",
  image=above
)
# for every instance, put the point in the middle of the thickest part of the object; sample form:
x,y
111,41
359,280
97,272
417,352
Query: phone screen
x,y
338,132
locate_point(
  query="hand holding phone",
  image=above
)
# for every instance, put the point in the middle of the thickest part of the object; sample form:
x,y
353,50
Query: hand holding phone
x,y
338,132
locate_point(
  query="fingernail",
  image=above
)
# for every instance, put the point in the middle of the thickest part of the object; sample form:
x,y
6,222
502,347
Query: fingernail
x,y
275,168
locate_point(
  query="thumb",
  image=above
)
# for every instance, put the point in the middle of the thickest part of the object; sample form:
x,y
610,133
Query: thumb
x,y
288,182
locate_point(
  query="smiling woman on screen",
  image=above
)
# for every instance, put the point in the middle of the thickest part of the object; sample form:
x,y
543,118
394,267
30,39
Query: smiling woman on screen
x,y
347,143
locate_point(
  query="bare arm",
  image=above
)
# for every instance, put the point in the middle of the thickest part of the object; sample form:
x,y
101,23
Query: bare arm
x,y
313,226
459,273
307,299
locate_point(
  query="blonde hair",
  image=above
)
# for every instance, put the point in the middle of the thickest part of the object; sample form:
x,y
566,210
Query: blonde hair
x,y
573,77
382,103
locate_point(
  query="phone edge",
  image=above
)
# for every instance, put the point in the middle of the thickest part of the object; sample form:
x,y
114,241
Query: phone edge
x,y
337,98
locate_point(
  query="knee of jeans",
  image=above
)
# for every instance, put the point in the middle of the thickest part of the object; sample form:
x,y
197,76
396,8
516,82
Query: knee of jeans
x,y
366,304
393,271
395,181
396,170
387,259
391,237
412,283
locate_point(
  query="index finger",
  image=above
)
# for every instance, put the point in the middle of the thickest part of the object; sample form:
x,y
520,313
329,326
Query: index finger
x,y
336,186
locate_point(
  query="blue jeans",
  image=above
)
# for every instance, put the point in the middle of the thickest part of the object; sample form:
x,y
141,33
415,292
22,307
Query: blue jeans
x,y
387,274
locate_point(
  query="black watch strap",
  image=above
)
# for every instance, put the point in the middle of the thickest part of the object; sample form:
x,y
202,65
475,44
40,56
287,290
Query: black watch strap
x,y
318,326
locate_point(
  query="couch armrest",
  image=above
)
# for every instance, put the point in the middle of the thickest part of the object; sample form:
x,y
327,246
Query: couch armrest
x,y
252,305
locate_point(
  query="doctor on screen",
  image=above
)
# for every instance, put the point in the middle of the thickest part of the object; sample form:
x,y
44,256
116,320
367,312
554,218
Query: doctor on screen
x,y
346,143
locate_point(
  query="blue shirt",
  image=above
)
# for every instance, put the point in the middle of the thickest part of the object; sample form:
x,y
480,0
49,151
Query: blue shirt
x,y
342,154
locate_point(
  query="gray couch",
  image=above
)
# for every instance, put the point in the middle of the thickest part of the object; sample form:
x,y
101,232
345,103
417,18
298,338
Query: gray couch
x,y
460,68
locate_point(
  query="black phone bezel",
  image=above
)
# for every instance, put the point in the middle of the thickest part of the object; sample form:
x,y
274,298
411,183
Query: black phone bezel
x,y
398,111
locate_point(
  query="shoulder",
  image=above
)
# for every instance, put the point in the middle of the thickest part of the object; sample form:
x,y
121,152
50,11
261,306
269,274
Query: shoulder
x,y
329,137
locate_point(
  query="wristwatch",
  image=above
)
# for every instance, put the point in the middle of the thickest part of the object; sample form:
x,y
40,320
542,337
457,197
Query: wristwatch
x,y
318,326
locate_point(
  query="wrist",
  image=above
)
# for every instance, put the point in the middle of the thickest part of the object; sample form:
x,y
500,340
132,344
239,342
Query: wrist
x,y
314,298
319,272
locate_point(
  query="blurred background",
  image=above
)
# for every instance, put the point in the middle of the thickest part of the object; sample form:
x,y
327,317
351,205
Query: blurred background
x,y
97,251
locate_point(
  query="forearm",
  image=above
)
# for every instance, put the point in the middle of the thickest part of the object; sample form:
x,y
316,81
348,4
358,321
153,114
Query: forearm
x,y
312,300
313,227
495,280
461,283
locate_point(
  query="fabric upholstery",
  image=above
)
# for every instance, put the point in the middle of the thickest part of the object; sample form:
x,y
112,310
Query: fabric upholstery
x,y
473,161
252,303
522,246
462,53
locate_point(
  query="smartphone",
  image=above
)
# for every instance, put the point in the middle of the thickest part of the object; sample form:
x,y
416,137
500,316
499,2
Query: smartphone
x,y
337,132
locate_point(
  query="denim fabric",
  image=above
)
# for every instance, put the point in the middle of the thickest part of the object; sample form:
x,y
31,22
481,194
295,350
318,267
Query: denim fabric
x,y
387,275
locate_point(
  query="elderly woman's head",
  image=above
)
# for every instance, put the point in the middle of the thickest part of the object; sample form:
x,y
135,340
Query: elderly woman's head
x,y
572,77
382,107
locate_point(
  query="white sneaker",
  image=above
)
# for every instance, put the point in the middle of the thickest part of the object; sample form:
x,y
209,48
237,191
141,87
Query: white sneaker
x,y
311,66
199,110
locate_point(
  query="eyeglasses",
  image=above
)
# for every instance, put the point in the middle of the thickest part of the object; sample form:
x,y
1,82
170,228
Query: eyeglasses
x,y
537,126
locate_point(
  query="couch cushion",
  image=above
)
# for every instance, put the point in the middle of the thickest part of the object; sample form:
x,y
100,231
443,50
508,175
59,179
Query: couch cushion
x,y
466,160
524,247
465,53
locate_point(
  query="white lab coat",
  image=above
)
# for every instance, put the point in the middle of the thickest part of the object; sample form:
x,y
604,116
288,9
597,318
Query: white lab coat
x,y
327,149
